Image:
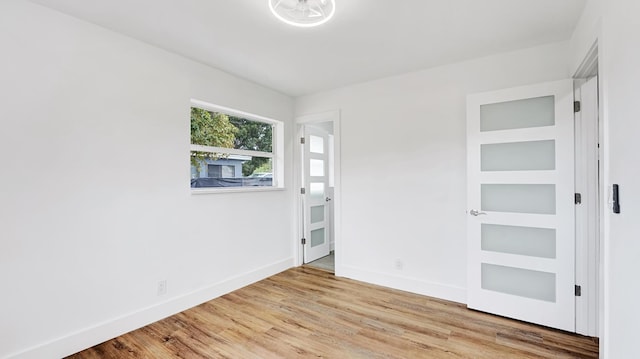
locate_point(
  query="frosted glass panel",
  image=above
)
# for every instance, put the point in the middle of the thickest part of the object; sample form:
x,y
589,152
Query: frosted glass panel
x,y
317,237
527,241
519,198
316,144
316,189
317,214
531,112
316,167
519,156
520,282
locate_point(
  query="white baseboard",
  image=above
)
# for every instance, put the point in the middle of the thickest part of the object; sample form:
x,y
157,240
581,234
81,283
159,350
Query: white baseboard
x,y
413,285
88,337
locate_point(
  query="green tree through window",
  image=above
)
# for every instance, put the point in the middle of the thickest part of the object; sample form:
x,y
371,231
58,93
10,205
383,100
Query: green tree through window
x,y
255,136
210,129
220,130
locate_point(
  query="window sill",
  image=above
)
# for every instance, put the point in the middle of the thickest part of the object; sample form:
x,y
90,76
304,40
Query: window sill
x,y
198,191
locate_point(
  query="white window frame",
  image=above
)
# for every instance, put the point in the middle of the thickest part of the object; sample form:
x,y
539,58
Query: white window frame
x,y
276,154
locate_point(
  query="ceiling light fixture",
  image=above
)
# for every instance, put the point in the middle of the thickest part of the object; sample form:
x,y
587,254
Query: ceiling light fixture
x,y
303,13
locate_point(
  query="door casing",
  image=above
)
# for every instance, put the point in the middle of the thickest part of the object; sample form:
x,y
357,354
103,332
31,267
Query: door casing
x,y
590,265
587,216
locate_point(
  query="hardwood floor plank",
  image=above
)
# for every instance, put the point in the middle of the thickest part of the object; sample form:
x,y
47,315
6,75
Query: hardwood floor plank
x,y
309,313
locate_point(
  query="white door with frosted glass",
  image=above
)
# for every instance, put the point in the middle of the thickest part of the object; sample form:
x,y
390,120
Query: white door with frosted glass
x,y
520,197
316,185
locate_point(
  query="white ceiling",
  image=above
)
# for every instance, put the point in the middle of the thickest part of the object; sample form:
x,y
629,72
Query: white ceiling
x,y
366,40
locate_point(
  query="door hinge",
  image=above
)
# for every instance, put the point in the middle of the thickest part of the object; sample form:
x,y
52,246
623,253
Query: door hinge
x,y
302,191
577,198
576,106
578,290
302,140
303,241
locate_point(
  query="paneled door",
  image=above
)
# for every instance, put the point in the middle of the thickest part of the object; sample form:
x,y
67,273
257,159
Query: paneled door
x,y
316,186
520,197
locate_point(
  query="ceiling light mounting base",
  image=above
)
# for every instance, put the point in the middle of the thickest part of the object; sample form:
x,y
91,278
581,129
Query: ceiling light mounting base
x,y
303,13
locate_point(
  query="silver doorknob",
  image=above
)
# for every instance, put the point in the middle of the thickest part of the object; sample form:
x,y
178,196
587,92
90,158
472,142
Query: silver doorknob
x,y
475,213
327,199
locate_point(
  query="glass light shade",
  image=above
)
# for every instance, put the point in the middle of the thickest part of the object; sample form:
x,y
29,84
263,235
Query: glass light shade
x,y
303,13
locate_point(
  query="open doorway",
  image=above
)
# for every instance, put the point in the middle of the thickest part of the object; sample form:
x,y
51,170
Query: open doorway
x,y
319,186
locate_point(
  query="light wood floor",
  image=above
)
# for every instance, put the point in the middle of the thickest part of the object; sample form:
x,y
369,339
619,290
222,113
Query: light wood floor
x,y
309,313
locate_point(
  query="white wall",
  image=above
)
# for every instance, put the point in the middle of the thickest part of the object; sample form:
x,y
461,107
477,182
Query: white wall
x,y
404,167
621,61
614,24
95,206
621,57
585,34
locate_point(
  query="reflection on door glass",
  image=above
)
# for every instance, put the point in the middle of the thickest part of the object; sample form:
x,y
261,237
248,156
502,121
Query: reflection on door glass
x,y
518,156
518,198
530,112
527,241
521,282
316,190
316,168
317,237
317,214
316,145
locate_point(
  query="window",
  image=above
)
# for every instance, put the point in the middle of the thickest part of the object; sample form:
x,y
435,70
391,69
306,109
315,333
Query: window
x,y
231,148
221,171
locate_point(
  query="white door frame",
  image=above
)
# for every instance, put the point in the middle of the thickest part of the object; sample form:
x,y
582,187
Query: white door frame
x,y
329,116
587,212
590,67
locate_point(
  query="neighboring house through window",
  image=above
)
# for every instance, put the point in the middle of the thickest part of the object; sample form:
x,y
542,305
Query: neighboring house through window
x,y
222,171
231,148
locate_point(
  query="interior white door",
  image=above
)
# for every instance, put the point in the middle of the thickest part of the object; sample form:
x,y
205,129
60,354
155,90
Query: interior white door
x,y
520,178
316,199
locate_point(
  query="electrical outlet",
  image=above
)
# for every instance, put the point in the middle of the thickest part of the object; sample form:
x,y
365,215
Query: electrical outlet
x,y
162,287
399,264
